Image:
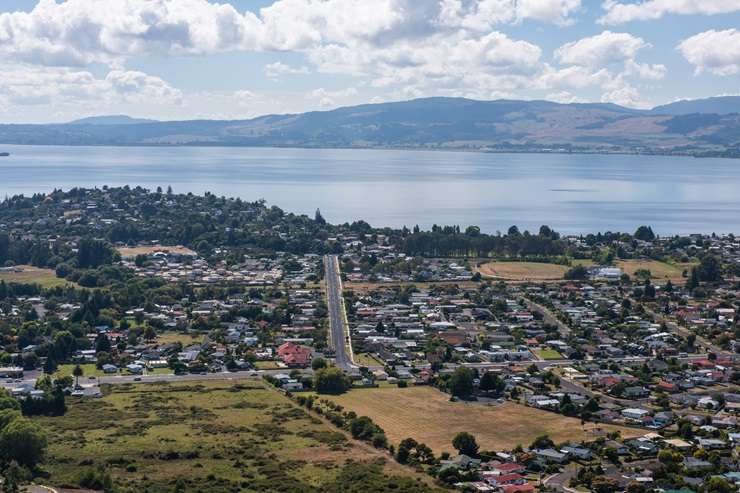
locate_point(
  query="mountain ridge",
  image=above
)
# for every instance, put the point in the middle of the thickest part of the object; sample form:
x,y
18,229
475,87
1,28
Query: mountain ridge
x,y
427,123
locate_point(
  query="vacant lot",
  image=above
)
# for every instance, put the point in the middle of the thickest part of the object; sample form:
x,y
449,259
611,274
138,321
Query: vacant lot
x,y
522,271
658,270
29,274
175,337
547,354
148,250
215,436
427,415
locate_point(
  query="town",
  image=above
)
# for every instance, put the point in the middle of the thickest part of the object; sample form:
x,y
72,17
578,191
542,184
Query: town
x,y
488,363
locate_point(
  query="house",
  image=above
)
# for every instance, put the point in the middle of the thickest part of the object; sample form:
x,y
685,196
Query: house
x,y
580,453
621,448
692,464
292,385
462,461
551,455
635,414
517,488
107,368
294,355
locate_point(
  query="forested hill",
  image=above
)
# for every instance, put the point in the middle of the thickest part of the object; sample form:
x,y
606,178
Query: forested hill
x,y
447,123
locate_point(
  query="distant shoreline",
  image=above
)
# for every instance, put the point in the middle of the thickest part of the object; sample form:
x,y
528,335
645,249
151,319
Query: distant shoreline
x,y
624,152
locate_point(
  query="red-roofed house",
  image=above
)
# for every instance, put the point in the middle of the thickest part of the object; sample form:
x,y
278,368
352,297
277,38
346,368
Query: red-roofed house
x,y
517,488
294,355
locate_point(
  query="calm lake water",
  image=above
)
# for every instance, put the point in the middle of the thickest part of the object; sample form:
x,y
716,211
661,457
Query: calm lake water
x,y
572,193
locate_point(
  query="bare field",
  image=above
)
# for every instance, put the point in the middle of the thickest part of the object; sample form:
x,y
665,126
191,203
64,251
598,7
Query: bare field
x,y
523,271
148,250
428,416
29,274
658,270
364,286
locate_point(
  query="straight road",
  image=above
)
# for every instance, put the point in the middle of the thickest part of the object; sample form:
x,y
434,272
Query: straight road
x,y
337,320
548,316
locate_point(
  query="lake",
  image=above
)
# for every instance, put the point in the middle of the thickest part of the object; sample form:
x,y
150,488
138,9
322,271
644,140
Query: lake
x,y
571,193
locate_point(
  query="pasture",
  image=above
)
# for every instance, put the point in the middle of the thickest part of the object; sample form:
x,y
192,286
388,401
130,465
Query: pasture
x,y
522,271
217,436
660,271
427,415
28,274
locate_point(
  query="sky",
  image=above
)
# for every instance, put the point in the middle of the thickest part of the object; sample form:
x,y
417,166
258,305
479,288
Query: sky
x,y
202,59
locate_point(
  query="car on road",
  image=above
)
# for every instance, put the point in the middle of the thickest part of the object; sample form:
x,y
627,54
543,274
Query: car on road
x,y
137,379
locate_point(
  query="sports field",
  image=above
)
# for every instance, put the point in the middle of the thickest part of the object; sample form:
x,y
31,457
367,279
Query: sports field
x,y
427,415
522,271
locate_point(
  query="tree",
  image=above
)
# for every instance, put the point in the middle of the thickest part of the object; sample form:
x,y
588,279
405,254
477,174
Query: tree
x,y
330,381
319,218
644,233
542,441
149,333
77,372
318,364
490,382
577,273
461,382
602,484
14,476
465,444
102,344
23,441
717,484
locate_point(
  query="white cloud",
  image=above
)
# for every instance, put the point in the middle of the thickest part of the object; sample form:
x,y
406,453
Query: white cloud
x,y
138,86
24,85
619,12
600,50
646,70
483,15
713,51
278,69
79,32
621,92
564,97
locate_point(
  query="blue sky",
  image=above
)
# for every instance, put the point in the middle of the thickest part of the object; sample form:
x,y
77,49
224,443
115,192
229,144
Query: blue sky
x,y
180,59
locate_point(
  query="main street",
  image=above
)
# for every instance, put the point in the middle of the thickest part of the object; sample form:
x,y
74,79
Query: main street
x,y
339,339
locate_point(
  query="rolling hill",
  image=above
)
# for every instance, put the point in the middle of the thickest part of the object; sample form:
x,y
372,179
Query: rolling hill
x,y
430,123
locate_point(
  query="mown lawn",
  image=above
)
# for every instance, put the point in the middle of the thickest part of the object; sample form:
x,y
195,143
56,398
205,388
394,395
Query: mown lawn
x,y
46,278
216,436
427,415
548,354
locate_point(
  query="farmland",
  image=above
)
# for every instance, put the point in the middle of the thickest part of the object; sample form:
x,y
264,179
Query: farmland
x,y
218,436
28,274
427,415
658,270
522,271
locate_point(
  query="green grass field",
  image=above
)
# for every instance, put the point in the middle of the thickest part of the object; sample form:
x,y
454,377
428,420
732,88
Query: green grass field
x,y
46,278
174,337
214,436
548,354
365,359
90,370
